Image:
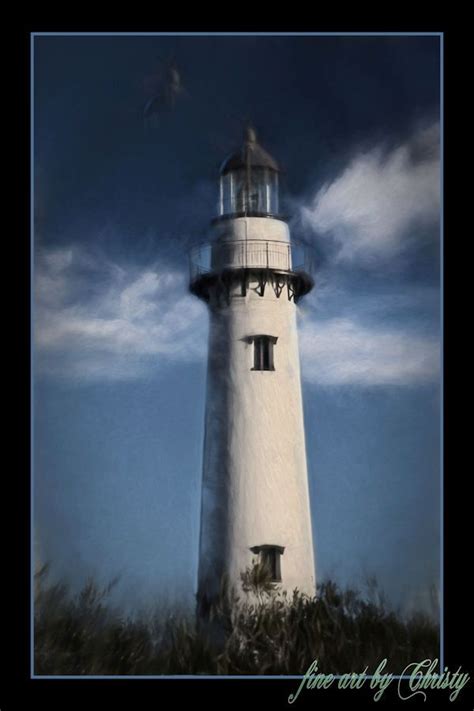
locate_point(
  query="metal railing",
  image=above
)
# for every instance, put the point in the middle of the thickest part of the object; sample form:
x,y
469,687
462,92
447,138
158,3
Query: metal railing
x,y
214,257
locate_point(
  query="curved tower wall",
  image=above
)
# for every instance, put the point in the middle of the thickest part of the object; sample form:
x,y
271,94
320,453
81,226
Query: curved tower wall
x,y
255,485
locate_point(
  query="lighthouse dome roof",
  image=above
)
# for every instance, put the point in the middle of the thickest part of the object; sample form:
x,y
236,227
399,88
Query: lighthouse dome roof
x,y
249,154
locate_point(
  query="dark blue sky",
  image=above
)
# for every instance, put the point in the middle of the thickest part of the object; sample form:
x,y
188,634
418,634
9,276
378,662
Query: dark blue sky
x,y
120,345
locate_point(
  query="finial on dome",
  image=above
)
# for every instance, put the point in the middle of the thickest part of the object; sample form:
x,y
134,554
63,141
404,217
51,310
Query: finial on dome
x,y
250,154
250,135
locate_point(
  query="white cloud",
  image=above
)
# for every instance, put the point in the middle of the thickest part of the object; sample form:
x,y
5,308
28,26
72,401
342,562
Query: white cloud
x,y
373,207
94,319
340,351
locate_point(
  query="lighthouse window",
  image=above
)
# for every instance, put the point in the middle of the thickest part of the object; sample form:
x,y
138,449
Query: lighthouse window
x,y
269,557
249,192
263,352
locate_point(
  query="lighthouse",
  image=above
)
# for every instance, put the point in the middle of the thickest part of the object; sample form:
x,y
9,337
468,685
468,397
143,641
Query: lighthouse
x,y
255,498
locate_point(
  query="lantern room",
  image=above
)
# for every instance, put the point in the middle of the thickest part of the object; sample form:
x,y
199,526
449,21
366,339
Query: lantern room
x,y
249,181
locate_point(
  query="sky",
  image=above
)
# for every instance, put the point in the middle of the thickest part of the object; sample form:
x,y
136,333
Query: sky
x,y
119,358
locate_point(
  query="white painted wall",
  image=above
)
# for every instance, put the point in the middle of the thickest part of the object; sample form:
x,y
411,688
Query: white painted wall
x,y
255,487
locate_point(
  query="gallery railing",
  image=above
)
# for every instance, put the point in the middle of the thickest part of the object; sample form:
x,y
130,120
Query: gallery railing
x,y
215,257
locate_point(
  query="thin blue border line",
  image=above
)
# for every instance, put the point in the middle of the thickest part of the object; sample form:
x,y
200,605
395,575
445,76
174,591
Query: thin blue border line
x,y
237,34
441,515
198,676
32,419
224,34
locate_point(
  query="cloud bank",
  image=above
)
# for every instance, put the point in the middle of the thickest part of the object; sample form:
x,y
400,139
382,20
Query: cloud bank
x,y
341,351
96,321
374,209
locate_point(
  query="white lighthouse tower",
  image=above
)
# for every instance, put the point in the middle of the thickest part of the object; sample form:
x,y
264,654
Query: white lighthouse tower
x,y
255,501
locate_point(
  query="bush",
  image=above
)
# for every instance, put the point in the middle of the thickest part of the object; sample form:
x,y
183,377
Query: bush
x,y
265,632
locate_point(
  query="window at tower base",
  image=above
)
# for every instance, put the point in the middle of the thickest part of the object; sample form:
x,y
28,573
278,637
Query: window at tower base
x,y
269,558
263,352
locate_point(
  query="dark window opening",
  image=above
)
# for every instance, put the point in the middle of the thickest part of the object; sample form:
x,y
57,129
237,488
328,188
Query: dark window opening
x,y
269,557
263,352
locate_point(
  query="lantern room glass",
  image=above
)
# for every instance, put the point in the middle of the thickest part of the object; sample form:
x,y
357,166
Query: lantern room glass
x,y
252,191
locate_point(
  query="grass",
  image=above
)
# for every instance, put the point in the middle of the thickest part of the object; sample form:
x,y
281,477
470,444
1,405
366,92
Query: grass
x,y
265,632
